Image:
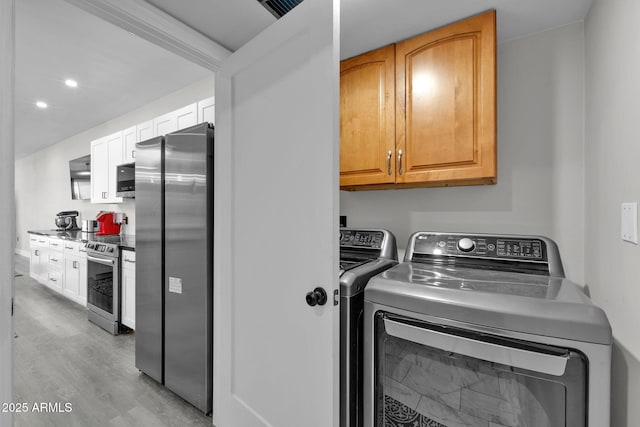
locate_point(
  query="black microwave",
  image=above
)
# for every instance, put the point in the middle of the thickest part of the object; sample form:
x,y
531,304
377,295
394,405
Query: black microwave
x,y
126,180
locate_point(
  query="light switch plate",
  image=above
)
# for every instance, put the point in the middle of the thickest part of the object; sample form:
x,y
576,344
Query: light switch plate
x,y
629,222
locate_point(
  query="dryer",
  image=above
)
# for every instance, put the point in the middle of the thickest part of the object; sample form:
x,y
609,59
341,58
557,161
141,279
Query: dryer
x,y
483,330
363,254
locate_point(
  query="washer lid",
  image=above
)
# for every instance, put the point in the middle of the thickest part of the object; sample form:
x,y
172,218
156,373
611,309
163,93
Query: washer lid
x,y
526,303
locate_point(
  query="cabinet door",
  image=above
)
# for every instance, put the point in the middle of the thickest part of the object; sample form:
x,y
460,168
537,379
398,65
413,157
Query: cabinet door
x,y
186,116
179,119
75,279
115,146
207,110
367,118
165,124
129,289
99,171
446,105
71,287
35,267
129,137
144,131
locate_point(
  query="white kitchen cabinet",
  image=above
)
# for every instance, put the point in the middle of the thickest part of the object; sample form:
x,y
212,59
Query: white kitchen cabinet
x,y
55,265
179,119
207,110
74,285
38,257
129,139
128,288
144,131
106,154
60,265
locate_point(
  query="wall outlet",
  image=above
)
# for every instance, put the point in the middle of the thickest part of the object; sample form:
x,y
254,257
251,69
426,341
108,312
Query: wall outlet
x,y
629,222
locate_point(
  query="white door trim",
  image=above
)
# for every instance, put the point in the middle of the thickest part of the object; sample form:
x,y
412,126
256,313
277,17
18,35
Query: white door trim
x,y
152,24
7,207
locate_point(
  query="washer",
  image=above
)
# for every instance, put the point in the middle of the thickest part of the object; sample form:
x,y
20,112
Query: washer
x,y
363,254
483,330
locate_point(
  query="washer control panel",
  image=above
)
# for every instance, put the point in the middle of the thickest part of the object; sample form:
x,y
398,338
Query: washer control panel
x,y
361,239
480,246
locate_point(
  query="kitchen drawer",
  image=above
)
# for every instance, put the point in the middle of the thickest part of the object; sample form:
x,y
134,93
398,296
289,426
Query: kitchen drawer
x,y
128,258
55,260
72,248
54,280
56,244
40,241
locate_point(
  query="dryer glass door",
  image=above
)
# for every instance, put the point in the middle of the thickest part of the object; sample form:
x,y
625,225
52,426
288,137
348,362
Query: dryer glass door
x,y
444,376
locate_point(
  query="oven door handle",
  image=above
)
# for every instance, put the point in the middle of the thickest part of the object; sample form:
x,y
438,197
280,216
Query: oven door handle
x,y
509,356
109,262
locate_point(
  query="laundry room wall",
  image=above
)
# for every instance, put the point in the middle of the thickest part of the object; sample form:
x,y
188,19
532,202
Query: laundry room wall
x,y
612,151
540,187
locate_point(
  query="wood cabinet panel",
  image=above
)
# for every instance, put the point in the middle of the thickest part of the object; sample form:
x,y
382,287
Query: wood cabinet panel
x,y
445,117
441,125
367,133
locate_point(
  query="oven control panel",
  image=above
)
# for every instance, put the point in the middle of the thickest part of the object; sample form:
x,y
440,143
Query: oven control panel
x,y
481,246
102,248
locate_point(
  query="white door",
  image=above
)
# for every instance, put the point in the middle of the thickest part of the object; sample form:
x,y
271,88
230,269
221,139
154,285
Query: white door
x,y
276,229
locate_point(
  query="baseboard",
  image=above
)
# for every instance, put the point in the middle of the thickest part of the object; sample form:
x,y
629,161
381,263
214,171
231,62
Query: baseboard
x,y
23,252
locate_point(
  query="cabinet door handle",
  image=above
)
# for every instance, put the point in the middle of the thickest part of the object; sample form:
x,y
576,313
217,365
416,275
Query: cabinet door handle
x,y
68,247
400,162
52,279
75,265
389,155
37,252
54,260
129,261
133,154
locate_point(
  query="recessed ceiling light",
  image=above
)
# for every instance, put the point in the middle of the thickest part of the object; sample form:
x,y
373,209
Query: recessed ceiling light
x,y
41,104
71,83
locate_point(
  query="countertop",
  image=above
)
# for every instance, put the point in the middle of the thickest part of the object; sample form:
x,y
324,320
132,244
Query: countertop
x,y
124,241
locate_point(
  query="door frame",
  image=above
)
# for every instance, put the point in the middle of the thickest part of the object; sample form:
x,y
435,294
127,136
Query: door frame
x,y
7,207
137,17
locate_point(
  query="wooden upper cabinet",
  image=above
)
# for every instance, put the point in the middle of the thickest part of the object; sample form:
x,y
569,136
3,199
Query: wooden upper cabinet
x,y
445,112
367,118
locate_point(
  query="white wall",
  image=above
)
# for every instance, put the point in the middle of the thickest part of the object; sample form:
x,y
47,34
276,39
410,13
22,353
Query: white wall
x,y
42,179
612,152
540,158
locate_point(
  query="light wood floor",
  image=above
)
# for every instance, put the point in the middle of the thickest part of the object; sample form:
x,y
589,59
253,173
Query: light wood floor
x,y
60,357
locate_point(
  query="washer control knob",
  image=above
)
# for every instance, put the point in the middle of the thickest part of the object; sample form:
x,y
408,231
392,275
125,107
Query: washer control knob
x,y
466,244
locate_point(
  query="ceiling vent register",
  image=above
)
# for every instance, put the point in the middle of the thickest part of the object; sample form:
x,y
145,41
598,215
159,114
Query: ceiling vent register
x,y
279,8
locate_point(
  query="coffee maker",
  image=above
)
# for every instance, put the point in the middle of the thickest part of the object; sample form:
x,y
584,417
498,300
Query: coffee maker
x,y
107,224
66,221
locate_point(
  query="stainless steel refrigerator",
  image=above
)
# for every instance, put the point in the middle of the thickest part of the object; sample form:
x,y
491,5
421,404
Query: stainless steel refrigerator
x,y
174,246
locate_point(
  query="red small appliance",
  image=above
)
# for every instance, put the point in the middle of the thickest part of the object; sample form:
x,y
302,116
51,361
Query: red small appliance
x,y
107,226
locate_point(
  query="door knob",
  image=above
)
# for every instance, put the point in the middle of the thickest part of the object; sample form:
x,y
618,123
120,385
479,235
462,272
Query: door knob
x,y
317,297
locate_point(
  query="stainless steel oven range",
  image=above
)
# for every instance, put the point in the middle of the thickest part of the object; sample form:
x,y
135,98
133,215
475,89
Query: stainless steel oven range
x,y
103,285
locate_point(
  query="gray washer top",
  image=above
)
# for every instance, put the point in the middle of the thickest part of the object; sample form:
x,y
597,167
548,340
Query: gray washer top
x,y
526,303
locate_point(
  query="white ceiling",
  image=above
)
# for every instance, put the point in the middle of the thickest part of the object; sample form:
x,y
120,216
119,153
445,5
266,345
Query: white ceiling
x,y
116,71
368,24
119,72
